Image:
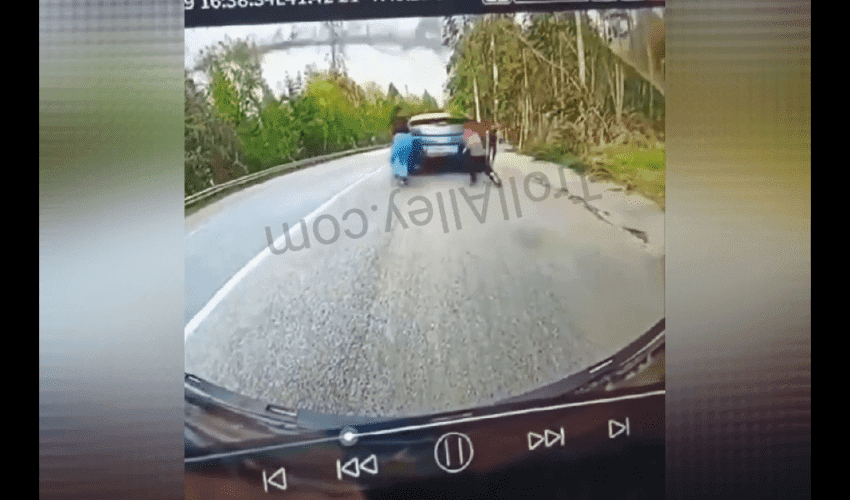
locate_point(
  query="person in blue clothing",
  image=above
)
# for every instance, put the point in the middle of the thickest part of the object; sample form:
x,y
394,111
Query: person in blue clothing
x,y
406,151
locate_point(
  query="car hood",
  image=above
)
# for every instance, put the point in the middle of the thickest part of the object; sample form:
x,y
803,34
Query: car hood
x,y
243,418
609,417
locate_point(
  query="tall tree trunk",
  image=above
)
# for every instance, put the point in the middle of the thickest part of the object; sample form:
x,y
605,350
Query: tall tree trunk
x,y
593,78
580,49
525,92
495,78
540,130
521,126
581,71
619,79
651,103
554,84
651,65
561,60
521,117
475,90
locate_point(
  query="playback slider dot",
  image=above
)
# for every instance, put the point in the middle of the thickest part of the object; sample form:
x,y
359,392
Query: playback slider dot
x,y
348,436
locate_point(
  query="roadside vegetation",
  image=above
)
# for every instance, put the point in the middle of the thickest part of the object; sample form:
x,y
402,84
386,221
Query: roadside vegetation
x,y
235,125
550,80
561,94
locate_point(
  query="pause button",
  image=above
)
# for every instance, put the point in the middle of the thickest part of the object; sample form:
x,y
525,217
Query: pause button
x,y
453,452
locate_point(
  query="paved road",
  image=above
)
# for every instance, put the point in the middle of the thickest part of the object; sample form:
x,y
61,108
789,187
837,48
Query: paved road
x,y
426,300
223,237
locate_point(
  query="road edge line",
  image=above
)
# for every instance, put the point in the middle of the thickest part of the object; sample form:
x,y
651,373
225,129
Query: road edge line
x,y
222,292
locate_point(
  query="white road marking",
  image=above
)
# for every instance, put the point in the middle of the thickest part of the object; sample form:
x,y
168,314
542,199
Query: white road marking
x,y
377,152
256,261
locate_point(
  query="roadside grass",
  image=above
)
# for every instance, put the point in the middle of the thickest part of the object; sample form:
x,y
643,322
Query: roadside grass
x,y
638,170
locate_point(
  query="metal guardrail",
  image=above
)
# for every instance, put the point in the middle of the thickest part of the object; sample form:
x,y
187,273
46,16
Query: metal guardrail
x,y
270,172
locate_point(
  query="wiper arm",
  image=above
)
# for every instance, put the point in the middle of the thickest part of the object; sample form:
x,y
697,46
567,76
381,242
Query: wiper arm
x,y
202,391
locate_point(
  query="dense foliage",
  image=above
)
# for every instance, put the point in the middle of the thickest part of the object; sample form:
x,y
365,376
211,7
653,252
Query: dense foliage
x,y
235,125
550,80
550,88
560,93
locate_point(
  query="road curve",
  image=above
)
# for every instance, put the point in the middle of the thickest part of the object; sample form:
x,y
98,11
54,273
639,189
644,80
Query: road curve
x,y
437,296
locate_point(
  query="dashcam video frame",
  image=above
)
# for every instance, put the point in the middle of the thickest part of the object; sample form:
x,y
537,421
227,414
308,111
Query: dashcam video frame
x,y
499,180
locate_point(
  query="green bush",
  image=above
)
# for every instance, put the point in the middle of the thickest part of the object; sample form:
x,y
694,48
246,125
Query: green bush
x,y
229,133
626,158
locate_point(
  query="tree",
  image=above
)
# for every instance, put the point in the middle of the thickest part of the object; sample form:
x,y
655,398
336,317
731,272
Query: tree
x,y
429,101
549,78
211,143
373,92
453,28
580,50
299,83
238,87
393,92
291,86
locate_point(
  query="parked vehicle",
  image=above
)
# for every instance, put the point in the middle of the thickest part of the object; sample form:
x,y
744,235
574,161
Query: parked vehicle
x,y
441,142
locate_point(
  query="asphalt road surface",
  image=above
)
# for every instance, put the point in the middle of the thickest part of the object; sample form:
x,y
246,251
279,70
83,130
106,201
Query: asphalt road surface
x,y
433,297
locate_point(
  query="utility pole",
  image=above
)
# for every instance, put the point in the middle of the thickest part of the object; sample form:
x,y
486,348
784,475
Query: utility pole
x,y
336,57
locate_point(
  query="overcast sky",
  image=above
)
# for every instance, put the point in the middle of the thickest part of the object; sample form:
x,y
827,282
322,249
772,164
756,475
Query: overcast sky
x,y
420,67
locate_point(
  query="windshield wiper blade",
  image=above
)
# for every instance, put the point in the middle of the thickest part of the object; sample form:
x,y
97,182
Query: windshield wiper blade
x,y
202,393
197,388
